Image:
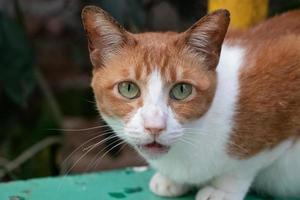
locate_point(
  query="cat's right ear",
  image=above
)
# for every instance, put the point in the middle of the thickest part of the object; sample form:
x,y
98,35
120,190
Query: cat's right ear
x,y
105,35
206,36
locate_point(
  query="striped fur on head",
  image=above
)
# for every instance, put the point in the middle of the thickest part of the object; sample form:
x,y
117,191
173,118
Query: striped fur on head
x,y
118,55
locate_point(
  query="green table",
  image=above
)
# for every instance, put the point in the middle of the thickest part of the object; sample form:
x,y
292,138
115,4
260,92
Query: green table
x,y
127,184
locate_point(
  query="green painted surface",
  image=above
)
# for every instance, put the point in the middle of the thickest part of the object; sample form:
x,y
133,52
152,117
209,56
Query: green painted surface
x,y
120,184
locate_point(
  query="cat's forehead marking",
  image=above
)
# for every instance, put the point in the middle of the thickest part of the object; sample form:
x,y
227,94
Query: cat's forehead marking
x,y
152,61
154,88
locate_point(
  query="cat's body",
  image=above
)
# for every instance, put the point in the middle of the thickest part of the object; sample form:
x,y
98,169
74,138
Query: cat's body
x,y
219,124
239,124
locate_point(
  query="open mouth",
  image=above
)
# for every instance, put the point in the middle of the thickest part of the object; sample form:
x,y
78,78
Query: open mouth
x,y
154,148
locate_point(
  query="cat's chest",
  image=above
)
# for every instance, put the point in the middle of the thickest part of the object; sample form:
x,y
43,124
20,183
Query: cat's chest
x,y
195,164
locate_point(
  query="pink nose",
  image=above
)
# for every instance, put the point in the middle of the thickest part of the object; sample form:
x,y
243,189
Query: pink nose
x,y
155,131
155,121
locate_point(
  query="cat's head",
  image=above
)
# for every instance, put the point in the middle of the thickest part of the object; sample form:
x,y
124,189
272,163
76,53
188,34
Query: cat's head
x,y
148,86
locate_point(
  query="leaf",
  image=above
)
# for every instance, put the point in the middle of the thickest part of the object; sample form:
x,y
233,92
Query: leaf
x,y
117,195
16,61
133,190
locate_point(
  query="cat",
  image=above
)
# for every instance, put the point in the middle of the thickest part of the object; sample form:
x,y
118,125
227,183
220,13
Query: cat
x,y
207,109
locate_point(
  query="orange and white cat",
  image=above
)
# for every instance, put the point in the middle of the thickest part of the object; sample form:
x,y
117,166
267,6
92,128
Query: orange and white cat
x,y
219,114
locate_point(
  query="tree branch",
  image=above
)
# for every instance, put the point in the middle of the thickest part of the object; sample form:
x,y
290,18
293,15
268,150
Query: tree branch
x,y
29,153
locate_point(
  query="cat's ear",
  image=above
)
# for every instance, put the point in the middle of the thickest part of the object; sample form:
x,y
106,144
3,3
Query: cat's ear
x,y
206,36
105,35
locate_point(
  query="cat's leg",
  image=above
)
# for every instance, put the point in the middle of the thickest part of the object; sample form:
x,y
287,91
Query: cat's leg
x,y
232,186
165,187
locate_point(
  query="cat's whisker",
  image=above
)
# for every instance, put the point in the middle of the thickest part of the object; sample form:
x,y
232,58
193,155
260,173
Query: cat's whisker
x,y
118,144
95,163
192,144
196,145
122,142
100,142
203,134
89,101
84,129
119,151
188,142
92,162
219,136
229,142
70,169
137,157
74,151
81,146
105,132
87,151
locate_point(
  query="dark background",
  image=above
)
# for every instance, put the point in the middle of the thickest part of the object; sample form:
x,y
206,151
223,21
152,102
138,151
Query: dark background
x,y
46,102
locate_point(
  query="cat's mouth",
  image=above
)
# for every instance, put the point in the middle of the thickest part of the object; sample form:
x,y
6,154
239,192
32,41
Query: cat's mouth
x,y
154,148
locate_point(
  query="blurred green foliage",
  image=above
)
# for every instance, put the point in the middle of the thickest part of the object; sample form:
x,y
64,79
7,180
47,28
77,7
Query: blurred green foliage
x,y
16,61
23,121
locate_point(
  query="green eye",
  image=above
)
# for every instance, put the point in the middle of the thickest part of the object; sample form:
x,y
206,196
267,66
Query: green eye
x,y
128,90
181,91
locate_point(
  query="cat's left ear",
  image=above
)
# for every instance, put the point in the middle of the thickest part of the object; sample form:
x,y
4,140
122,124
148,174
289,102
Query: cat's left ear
x,y
105,35
206,36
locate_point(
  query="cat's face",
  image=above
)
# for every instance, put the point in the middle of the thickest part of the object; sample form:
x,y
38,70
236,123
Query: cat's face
x,y
148,86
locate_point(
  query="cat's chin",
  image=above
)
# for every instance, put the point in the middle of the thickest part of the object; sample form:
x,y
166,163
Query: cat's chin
x,y
153,150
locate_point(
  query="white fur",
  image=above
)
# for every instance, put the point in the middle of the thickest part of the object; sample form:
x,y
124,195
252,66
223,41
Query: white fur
x,y
203,155
163,186
282,178
198,154
154,109
154,112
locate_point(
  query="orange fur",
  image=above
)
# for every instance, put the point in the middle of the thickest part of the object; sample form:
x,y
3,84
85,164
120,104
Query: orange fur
x,y
179,57
136,63
269,104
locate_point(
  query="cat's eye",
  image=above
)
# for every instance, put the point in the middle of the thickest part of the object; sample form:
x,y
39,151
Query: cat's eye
x,y
129,90
181,91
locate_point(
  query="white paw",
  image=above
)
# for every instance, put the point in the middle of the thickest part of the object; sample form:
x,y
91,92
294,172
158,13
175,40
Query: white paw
x,y
211,193
162,186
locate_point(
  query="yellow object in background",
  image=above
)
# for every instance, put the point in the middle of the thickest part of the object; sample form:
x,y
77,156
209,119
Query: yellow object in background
x,y
244,13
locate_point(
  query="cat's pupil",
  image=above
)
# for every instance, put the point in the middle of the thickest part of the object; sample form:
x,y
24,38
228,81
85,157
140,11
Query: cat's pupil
x,y
128,87
182,88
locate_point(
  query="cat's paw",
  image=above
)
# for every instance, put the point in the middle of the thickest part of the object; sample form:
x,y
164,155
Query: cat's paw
x,y
211,193
162,186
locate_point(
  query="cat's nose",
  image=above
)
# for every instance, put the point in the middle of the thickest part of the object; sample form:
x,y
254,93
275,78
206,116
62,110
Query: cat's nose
x,y
155,131
155,121
155,125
